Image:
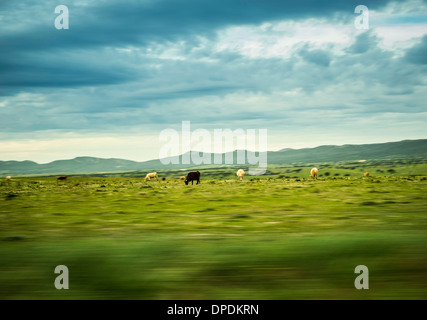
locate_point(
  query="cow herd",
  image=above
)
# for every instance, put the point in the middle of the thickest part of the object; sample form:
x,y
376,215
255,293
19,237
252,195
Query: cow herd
x,y
195,176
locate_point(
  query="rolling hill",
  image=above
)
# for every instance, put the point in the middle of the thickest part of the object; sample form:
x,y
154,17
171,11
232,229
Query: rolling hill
x,y
407,149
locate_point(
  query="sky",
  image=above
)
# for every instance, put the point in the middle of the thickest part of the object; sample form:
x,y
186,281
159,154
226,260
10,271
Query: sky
x,y
124,71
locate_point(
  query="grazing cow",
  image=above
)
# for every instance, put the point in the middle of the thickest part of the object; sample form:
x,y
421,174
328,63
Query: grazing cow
x,y
240,173
8,178
163,179
366,174
182,178
151,175
313,173
61,178
194,175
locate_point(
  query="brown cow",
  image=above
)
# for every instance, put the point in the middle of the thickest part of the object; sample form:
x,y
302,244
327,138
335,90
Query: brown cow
x,y
194,175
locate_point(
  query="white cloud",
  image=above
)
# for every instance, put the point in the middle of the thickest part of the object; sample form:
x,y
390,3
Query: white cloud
x,y
23,99
282,39
399,37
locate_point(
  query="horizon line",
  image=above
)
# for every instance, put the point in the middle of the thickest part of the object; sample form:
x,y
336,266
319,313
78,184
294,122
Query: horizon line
x,y
326,145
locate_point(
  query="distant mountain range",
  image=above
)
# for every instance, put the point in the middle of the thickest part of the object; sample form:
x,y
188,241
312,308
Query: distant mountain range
x,y
407,149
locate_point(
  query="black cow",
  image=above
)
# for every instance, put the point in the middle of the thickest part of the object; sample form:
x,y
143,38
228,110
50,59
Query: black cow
x,y
194,175
61,178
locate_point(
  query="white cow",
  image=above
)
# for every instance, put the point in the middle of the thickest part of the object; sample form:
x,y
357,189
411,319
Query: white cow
x,y
240,173
313,173
151,175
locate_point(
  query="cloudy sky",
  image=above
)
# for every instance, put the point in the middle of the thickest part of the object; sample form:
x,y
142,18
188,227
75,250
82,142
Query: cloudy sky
x,y
126,70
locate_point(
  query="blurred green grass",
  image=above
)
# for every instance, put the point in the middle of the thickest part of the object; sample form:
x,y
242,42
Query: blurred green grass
x,y
123,238
300,267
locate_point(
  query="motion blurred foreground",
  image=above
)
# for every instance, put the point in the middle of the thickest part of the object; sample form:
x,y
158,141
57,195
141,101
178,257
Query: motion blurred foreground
x,y
268,238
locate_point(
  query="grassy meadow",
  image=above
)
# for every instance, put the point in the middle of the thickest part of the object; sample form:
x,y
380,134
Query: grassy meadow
x,y
278,236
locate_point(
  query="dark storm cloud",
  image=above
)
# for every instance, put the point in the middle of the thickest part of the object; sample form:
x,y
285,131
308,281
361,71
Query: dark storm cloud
x,y
418,53
130,22
319,57
50,70
27,33
363,43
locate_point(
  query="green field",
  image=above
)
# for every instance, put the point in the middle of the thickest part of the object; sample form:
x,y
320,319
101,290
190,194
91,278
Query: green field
x,y
280,236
